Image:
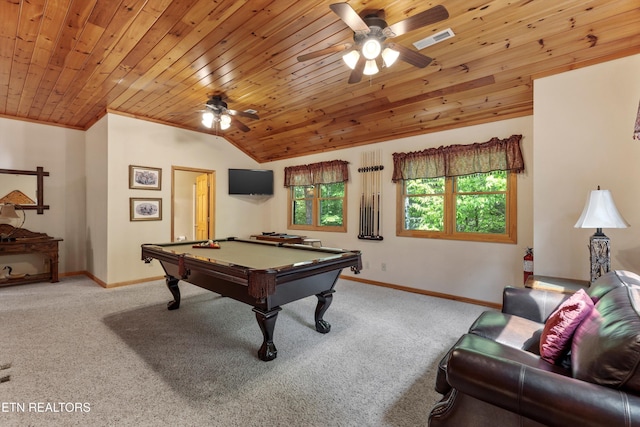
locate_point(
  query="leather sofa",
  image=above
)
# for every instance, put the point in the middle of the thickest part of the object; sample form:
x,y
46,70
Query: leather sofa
x,y
494,375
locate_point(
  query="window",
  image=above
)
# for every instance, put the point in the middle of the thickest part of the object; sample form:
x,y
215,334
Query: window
x,y
473,207
317,196
463,192
318,207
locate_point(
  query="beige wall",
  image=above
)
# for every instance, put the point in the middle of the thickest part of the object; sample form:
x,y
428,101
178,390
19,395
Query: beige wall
x,y
135,142
97,229
583,126
467,269
61,152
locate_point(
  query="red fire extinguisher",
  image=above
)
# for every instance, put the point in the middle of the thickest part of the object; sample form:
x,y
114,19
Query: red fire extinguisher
x,y
528,264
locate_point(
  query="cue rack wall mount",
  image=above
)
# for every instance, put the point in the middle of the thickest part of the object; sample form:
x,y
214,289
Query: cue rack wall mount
x,y
371,198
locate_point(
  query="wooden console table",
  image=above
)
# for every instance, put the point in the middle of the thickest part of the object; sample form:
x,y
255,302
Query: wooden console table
x,y
29,242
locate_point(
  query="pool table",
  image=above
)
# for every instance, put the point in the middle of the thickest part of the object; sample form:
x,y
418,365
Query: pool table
x,y
263,274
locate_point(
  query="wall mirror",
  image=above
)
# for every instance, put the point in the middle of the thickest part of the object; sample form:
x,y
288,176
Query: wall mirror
x,y
24,188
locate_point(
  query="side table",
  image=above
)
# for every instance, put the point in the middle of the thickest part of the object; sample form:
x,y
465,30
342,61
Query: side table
x,y
556,284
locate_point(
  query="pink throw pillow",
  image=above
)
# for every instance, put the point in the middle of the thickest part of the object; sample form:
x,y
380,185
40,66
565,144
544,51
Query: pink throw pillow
x,y
555,341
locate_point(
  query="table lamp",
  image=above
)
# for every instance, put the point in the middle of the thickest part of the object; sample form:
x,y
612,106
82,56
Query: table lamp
x,y
600,212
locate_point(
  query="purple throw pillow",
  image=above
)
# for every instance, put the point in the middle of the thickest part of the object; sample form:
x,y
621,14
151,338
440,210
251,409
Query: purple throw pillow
x,y
555,341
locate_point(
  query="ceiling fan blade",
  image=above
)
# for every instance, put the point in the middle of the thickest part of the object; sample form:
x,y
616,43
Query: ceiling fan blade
x,y
237,123
422,19
327,51
349,16
243,114
411,56
356,74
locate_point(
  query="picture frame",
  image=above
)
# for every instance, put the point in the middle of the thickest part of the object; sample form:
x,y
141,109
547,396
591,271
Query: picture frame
x,y
145,209
145,177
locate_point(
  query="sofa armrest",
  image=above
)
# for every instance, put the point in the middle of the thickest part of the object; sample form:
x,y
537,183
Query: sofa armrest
x,y
532,304
494,373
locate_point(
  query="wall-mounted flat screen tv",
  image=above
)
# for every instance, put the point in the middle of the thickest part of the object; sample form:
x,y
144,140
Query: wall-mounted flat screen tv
x,y
251,181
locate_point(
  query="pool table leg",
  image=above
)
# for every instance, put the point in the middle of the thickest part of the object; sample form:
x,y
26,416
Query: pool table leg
x,y
267,323
172,284
324,301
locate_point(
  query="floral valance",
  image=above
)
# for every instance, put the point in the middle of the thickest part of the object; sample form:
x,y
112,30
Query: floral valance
x,y
316,173
455,160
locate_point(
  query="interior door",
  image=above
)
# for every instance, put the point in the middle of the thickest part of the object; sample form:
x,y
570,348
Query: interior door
x,y
192,203
202,207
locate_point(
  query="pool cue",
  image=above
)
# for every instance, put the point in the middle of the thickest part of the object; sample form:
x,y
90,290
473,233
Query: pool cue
x,y
362,199
378,186
373,193
373,196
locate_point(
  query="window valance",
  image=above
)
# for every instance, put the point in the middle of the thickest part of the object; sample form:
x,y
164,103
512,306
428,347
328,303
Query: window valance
x,y
455,160
316,173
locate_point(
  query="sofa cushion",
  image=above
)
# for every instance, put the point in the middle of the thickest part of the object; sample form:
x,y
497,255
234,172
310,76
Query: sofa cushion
x,y
612,280
606,346
555,341
514,331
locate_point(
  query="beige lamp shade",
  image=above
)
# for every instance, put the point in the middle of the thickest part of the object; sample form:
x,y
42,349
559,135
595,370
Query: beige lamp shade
x,y
600,212
8,212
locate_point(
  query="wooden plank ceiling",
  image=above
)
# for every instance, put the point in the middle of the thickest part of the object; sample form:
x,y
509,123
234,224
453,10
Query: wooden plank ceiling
x,y
69,62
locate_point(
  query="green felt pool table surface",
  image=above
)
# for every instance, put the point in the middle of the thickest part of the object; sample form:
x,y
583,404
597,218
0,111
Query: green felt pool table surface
x,y
254,254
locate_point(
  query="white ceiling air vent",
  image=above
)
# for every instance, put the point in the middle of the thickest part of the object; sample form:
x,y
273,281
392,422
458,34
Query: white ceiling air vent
x,y
436,38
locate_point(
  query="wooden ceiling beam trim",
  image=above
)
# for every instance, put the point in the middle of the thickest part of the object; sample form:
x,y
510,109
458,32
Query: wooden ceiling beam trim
x,y
346,122
459,105
477,106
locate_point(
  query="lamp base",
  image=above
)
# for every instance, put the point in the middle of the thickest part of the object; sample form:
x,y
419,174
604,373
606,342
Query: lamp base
x,y
600,255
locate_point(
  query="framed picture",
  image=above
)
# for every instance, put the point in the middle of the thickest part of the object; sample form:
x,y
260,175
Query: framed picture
x,y
145,209
145,178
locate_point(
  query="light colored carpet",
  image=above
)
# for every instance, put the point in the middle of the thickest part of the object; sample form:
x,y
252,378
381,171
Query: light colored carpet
x,y
84,355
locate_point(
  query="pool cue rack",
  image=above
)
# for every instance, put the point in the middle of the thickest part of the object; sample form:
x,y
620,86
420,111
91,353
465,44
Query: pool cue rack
x,y
371,197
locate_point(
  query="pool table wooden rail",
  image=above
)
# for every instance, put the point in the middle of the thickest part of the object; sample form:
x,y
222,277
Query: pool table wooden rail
x,y
308,273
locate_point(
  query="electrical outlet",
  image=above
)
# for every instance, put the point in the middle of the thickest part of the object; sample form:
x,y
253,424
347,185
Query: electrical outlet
x,y
383,266
366,265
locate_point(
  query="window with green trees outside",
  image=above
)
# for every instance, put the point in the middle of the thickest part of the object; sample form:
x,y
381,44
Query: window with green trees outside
x,y
471,207
318,207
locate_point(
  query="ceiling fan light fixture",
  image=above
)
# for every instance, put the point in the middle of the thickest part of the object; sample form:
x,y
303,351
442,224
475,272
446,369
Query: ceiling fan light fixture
x,y
225,121
207,119
370,68
389,56
351,59
371,48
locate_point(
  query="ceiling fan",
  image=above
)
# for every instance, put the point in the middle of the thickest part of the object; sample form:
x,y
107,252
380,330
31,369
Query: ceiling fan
x,y
216,112
369,34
